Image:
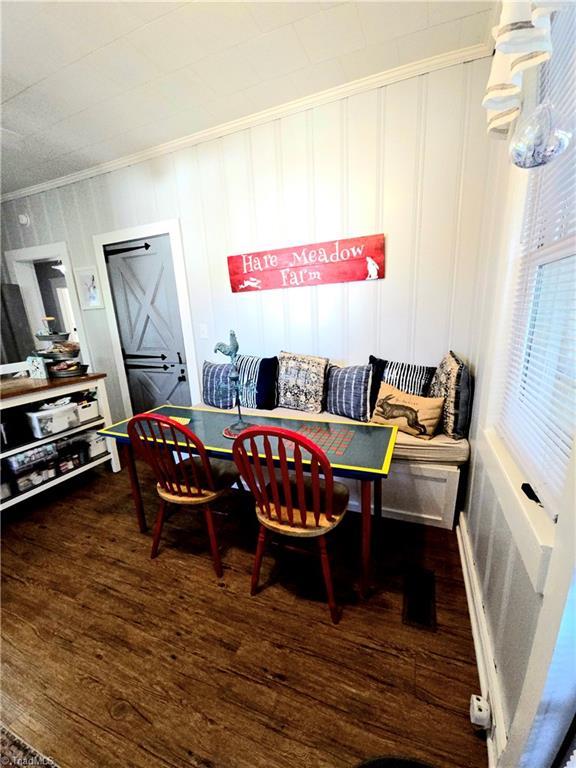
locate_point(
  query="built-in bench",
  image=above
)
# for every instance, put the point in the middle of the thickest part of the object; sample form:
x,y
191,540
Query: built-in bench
x,y
422,486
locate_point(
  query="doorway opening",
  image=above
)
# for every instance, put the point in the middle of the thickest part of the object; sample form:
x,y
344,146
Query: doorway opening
x,y
145,298
143,290
38,292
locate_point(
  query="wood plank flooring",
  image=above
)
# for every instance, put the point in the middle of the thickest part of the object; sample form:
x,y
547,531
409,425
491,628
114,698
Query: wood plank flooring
x,y
110,659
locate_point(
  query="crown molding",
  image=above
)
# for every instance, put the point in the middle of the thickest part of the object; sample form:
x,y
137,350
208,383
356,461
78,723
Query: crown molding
x,y
405,72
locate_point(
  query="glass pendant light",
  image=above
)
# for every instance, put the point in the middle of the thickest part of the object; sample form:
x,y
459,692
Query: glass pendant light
x,y
538,139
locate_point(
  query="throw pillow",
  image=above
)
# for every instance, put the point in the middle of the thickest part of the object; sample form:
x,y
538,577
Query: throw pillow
x,y
410,378
258,377
217,389
301,381
412,414
453,381
348,391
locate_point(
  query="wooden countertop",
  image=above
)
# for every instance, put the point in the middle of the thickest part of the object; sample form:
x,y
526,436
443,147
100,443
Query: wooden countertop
x,y
17,387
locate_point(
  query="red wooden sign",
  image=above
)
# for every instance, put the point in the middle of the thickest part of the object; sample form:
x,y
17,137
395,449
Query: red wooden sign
x,y
336,261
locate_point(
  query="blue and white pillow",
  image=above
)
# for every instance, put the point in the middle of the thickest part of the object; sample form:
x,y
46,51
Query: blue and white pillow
x,y
407,377
301,382
348,391
258,381
217,390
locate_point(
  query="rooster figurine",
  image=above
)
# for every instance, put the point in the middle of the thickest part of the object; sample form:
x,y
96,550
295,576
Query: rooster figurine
x,y
230,350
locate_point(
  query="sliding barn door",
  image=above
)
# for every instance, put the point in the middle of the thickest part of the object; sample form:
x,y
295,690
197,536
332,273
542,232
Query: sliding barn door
x,y
144,291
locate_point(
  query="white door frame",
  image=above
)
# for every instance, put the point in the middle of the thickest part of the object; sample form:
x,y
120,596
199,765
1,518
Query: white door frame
x,y
170,227
21,271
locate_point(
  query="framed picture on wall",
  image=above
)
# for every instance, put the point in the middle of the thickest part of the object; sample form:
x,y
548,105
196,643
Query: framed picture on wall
x,y
88,284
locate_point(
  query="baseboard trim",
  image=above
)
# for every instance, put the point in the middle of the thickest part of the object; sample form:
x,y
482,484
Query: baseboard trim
x,y
489,682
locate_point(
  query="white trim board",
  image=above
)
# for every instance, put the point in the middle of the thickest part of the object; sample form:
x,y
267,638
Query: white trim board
x,y
533,531
441,61
489,681
170,227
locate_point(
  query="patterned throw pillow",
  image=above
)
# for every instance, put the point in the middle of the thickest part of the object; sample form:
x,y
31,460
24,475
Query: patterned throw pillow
x,y
258,381
413,379
418,416
301,382
349,391
453,381
216,387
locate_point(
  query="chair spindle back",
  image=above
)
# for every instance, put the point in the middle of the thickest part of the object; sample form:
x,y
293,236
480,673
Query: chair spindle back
x,y
265,456
168,448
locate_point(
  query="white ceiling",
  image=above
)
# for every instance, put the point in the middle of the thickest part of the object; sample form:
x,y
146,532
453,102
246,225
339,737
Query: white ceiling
x,y
88,82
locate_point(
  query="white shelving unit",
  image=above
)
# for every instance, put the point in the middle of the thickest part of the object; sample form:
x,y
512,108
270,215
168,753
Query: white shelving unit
x,y
92,424
30,392
56,481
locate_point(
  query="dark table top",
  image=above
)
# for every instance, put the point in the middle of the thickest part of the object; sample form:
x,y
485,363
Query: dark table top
x,y
354,450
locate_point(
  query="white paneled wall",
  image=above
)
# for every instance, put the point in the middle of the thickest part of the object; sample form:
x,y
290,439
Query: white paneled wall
x,y
506,599
408,159
510,603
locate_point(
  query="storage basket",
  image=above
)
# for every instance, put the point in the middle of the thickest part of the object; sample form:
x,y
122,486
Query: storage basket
x,y
88,411
49,421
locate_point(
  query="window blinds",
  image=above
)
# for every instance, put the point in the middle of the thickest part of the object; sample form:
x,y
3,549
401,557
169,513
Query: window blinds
x,y
539,406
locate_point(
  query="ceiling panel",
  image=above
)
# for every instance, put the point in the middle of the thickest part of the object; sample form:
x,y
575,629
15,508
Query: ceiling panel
x,y
87,82
386,21
331,33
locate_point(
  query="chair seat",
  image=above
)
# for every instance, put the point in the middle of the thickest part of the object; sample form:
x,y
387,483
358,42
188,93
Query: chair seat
x,y
224,474
340,504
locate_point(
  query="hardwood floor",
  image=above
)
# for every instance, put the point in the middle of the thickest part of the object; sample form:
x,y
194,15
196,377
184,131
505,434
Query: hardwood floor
x,y
112,659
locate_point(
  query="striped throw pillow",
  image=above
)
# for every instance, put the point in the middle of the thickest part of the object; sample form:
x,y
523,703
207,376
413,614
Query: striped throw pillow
x,y
217,389
349,391
258,381
407,377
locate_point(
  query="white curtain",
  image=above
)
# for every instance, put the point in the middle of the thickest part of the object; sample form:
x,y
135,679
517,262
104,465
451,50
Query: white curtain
x,y
523,41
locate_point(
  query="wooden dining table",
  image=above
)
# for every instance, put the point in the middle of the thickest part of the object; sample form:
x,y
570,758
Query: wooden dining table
x,y
354,450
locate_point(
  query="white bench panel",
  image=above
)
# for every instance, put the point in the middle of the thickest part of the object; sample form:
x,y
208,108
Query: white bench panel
x,y
416,492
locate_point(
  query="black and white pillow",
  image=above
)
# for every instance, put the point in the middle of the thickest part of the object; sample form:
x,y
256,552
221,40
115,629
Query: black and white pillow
x,y
258,381
407,377
348,391
217,390
452,381
301,381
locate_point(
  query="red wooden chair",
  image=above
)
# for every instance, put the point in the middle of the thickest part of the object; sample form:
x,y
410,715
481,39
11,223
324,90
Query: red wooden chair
x,y
287,501
183,471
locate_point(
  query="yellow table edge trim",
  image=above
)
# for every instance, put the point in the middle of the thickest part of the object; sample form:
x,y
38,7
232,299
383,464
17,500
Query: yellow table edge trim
x,y
354,467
